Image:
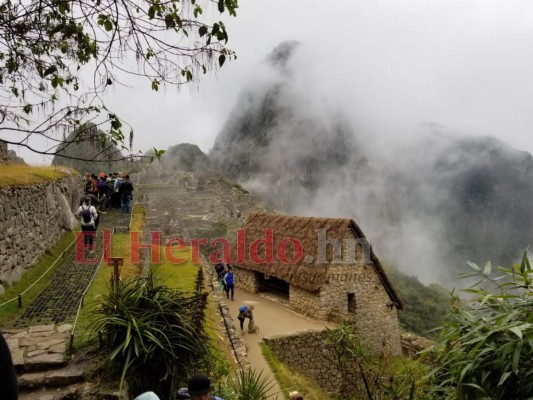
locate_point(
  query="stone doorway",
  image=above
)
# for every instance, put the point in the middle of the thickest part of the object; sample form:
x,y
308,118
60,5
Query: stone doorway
x,y
274,285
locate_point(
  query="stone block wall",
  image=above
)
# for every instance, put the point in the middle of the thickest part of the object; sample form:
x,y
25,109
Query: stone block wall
x,y
246,280
304,352
306,302
373,315
32,218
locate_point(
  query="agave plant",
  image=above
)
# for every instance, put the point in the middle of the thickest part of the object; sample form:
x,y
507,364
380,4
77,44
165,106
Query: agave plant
x,y
251,385
153,334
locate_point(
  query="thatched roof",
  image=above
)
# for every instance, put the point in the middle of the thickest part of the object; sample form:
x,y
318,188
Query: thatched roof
x,y
307,275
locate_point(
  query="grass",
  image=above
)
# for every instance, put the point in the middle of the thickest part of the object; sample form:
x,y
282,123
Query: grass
x,y
177,276
22,175
10,312
290,380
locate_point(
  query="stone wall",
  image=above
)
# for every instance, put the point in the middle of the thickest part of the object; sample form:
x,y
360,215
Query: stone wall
x,y
304,352
306,302
371,311
246,280
32,218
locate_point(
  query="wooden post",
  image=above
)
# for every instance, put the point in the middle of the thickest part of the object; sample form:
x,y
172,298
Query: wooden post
x,y
116,272
71,341
20,301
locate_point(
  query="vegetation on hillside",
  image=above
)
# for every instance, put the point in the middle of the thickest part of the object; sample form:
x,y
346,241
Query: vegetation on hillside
x,y
424,306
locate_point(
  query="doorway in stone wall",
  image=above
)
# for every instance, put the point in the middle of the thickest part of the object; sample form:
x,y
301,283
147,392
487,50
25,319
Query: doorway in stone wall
x,y
351,303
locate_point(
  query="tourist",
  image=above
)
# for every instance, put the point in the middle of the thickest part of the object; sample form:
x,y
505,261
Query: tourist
x,y
8,377
88,217
147,396
245,311
219,269
229,283
199,388
126,194
295,396
102,193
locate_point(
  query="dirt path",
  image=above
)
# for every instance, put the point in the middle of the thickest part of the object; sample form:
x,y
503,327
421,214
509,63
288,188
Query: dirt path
x,y
273,318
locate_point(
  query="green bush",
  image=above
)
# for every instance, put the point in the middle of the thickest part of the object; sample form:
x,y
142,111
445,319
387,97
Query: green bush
x,y
485,348
154,335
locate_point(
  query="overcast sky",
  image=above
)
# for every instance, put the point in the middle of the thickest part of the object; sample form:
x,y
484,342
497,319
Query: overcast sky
x,y
461,63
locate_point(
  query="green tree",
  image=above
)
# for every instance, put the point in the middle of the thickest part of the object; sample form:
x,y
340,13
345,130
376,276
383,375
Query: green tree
x,y
47,46
485,349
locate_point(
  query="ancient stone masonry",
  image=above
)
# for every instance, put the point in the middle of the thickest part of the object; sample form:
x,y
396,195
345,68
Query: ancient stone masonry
x,y
32,218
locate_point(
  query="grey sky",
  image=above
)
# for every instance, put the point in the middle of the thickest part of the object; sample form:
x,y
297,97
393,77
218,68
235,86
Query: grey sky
x,y
461,63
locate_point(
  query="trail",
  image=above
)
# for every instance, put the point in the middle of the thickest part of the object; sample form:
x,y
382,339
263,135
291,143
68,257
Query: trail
x,y
273,318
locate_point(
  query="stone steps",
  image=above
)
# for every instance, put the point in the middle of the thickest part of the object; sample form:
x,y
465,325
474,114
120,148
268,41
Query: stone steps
x,y
64,376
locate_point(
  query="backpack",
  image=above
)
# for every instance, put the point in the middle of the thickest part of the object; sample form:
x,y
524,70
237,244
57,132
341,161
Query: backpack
x,y
243,309
86,215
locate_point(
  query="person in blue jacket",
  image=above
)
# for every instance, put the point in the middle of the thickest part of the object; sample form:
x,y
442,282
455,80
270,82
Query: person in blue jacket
x,y
229,283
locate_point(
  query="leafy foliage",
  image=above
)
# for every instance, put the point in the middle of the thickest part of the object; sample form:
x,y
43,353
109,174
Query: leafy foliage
x,y
47,46
153,335
485,349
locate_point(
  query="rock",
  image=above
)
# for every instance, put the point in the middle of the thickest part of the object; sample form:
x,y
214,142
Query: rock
x,y
58,348
62,377
13,344
18,357
35,353
50,343
41,328
42,361
63,328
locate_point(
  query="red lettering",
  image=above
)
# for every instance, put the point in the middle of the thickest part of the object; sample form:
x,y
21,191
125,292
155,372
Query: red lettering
x,y
241,246
268,243
155,247
196,243
225,249
282,253
169,248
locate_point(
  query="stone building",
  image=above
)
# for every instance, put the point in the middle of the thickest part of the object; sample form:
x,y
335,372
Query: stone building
x,y
325,267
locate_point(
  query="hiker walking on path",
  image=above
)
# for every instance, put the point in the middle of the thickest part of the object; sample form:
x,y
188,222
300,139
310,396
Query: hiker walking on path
x,y
88,216
245,311
229,283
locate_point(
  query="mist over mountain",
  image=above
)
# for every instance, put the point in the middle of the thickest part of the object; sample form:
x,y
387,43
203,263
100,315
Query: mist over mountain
x,y
428,197
85,143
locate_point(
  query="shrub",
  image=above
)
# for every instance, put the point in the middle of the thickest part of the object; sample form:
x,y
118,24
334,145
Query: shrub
x,y
485,348
153,335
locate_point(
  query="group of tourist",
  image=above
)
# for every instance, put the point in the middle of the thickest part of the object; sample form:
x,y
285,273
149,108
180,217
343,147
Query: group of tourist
x,y
113,190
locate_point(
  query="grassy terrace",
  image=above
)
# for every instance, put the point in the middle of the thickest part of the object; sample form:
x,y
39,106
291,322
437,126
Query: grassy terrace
x,y
10,312
16,174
